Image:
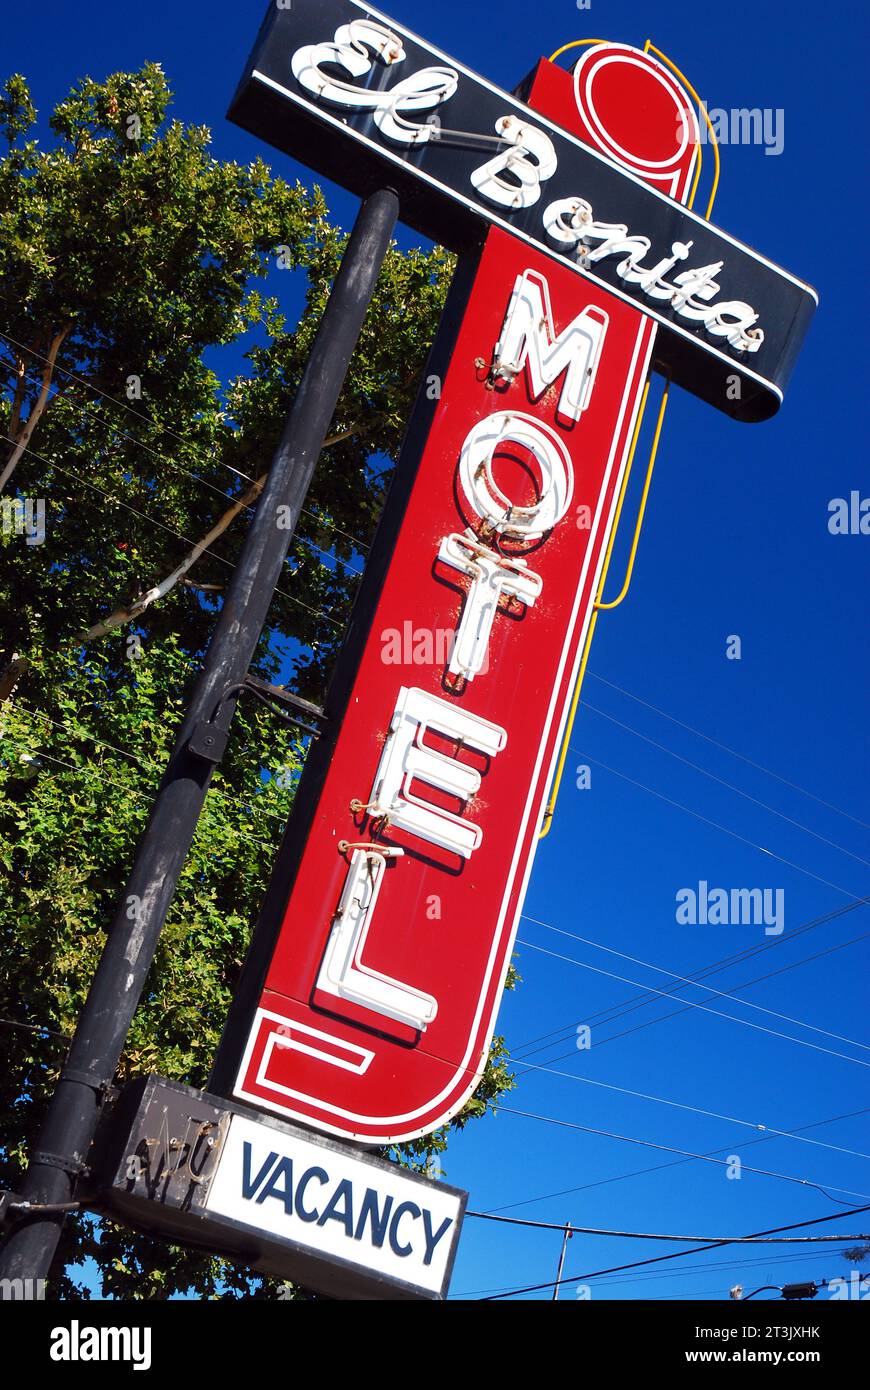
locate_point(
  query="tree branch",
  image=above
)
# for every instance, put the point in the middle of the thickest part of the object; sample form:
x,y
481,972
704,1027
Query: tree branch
x,y
18,397
127,614
124,615
38,407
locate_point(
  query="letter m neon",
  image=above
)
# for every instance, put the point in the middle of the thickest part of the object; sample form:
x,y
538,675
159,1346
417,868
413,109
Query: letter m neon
x,y
529,339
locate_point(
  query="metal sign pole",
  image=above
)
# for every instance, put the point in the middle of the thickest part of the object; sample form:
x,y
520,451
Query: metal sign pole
x,y
565,1239
61,1149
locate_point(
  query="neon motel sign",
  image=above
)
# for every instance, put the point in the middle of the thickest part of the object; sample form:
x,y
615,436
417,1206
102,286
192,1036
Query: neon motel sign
x,y
370,998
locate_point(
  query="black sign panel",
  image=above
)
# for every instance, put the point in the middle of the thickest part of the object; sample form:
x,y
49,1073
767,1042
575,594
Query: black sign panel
x,y
317,87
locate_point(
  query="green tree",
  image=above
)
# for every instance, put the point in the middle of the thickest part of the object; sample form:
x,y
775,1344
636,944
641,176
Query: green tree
x,y
145,371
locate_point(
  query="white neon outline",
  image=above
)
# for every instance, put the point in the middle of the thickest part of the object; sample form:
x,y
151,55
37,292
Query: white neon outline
x,y
633,381
526,280
541,120
475,467
344,974
648,325
289,1044
589,65
542,248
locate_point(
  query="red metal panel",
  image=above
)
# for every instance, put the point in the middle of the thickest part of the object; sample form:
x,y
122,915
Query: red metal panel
x,y
444,921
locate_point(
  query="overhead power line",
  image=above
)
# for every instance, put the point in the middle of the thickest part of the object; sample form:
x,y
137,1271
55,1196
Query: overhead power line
x,y
725,749
805,960
684,1272
247,802
693,1004
653,1235
696,767
676,1163
685,979
694,1109
165,429
146,764
194,477
762,849
670,1148
687,1007
153,521
84,735
34,1028
659,1259
637,1001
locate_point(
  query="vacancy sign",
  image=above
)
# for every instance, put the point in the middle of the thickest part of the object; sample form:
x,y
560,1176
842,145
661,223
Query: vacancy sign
x,y
380,999
375,1219
202,1171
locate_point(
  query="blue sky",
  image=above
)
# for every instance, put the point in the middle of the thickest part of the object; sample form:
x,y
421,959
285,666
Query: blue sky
x,y
736,543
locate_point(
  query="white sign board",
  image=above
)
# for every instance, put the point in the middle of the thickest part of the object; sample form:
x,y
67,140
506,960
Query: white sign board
x,y
359,1210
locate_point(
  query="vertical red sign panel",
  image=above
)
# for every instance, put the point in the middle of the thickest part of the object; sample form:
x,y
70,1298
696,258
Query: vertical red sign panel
x,y
382,993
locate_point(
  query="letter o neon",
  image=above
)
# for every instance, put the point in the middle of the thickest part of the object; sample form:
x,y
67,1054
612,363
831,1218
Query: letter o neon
x,y
482,491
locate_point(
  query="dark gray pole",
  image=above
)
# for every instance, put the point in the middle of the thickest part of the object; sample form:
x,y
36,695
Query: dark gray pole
x,y
68,1129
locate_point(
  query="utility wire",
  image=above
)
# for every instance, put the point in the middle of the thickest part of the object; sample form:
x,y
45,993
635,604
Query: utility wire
x,y
696,767
116,429
684,1272
85,735
743,1262
145,764
677,1163
173,463
694,1109
34,1028
716,826
771,1258
153,521
687,1006
249,804
637,1001
685,979
659,1259
725,749
125,405
693,1004
653,1235
805,960
671,1149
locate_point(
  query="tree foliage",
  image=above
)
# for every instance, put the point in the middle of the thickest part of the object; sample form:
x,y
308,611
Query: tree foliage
x,y
146,366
